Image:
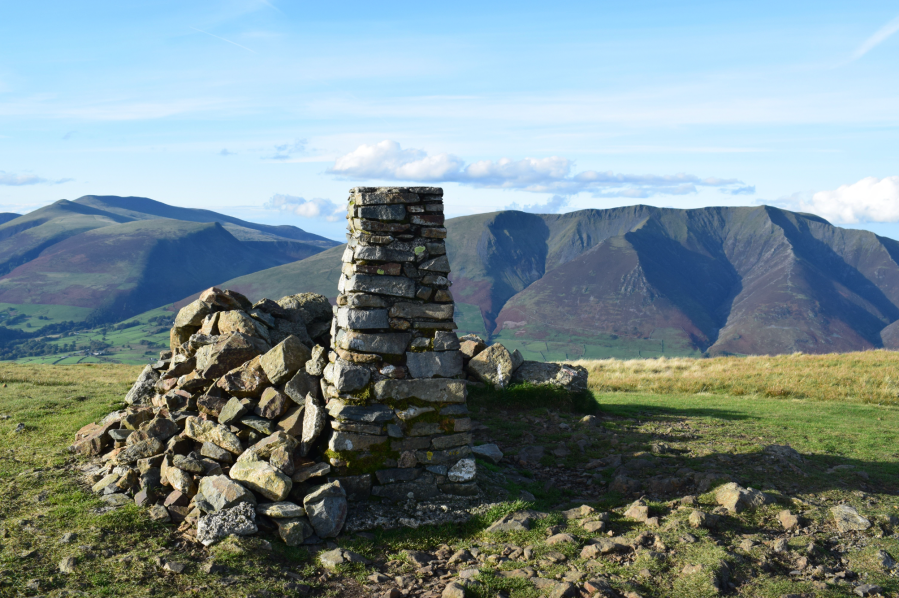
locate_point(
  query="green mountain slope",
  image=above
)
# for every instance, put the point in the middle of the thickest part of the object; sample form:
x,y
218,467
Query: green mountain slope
x,y
120,256
130,268
644,281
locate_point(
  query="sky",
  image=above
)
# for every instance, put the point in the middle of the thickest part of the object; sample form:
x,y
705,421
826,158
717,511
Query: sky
x,y
271,110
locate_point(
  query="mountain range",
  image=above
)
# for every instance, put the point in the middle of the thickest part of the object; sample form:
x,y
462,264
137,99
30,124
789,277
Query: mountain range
x,y
622,282
649,281
121,256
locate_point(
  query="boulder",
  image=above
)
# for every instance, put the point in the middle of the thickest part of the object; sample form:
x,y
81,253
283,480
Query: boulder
x,y
281,510
229,352
238,321
208,431
306,308
261,477
465,470
493,366
292,422
238,520
223,493
144,388
285,359
293,530
192,314
326,508
317,361
233,410
345,376
273,404
301,385
314,418
488,452
266,447
737,499
140,450
572,378
847,519
285,328
247,380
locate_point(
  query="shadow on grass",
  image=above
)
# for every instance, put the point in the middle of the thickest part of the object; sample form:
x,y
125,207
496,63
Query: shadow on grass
x,y
527,397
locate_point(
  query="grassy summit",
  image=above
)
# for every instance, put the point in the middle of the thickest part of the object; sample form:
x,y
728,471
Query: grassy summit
x,y
670,423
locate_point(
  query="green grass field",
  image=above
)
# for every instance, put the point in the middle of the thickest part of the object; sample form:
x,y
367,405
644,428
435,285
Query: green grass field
x,y
133,345
848,448
34,316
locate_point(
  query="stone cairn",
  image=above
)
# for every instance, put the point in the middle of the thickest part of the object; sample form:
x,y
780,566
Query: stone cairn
x,y
225,433
395,386
275,414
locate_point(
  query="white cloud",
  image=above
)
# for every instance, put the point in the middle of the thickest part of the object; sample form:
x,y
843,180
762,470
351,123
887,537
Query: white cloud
x,y
553,205
880,36
316,207
869,200
20,180
388,161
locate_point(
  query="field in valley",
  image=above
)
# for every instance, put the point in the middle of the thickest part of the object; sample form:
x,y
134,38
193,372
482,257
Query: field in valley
x,y
667,429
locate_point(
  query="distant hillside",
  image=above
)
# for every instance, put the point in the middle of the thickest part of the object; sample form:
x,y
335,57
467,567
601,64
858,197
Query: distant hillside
x,y
121,256
645,281
7,216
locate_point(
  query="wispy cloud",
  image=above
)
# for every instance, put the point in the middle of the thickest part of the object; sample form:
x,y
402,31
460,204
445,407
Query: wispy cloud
x,y
868,200
880,36
224,40
745,190
286,151
68,135
553,205
388,161
226,152
11,179
316,207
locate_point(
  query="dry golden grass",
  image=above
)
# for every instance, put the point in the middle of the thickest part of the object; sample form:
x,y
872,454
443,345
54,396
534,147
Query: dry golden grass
x,y
864,377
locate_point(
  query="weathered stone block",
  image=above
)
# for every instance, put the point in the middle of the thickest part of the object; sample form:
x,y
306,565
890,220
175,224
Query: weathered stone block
x,y
345,441
285,359
367,413
345,376
396,286
443,364
362,319
434,311
382,212
385,343
432,391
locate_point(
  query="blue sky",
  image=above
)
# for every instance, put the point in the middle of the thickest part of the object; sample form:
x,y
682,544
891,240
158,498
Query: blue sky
x,y
270,110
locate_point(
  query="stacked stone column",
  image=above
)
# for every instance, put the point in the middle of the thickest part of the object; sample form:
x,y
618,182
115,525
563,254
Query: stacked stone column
x,y
394,386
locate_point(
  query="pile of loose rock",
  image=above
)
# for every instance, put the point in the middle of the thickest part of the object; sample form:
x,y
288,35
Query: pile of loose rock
x,y
278,413
224,432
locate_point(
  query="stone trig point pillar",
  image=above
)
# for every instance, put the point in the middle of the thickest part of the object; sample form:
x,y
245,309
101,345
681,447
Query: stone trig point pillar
x,y
395,387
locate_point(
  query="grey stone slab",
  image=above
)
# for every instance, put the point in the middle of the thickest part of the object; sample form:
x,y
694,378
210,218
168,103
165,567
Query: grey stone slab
x,y
434,311
435,390
438,264
441,364
377,253
446,341
362,319
382,212
383,196
386,343
361,413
